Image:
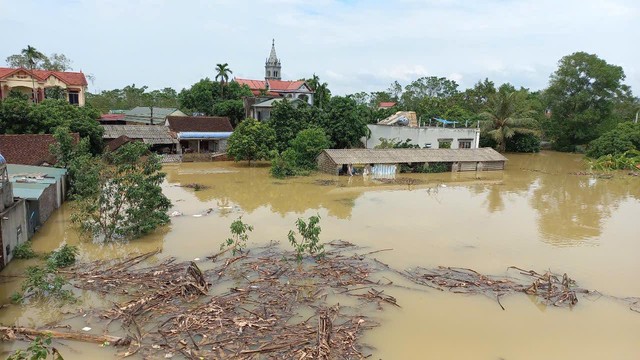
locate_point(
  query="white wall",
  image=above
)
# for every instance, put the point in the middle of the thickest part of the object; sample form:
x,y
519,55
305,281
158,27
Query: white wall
x,y
421,136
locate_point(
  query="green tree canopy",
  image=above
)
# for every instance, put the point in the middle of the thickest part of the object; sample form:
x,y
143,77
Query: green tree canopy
x,y
251,140
308,144
581,96
287,120
507,114
344,122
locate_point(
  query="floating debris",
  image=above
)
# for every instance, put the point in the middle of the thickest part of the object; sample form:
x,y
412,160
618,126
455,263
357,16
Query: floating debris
x,y
196,186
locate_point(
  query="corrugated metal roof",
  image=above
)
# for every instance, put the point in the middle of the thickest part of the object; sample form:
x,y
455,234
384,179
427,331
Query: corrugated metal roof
x,y
398,156
16,170
203,135
29,191
147,133
143,114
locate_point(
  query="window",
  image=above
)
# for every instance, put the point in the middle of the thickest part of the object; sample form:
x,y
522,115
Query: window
x,y
444,143
74,98
275,74
268,73
464,144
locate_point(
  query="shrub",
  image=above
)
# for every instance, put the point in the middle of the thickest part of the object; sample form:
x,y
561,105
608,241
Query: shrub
x,y
284,164
626,136
239,237
310,240
24,251
523,143
62,257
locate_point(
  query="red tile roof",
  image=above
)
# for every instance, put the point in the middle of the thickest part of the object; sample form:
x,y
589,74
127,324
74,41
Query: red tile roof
x,y
274,86
252,84
279,85
199,123
67,77
29,149
386,104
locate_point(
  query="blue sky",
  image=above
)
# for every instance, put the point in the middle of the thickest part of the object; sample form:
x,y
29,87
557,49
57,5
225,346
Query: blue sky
x,y
354,45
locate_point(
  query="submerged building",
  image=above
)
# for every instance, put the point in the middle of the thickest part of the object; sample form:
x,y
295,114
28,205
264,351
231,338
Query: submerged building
x,y
13,217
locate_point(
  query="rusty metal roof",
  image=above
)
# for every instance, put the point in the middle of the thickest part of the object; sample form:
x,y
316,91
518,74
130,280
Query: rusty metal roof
x,y
398,156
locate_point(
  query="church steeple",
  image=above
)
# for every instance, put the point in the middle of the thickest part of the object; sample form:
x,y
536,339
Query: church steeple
x,y
272,67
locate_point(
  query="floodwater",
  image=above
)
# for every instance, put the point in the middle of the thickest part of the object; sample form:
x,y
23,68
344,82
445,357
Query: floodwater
x,y
535,215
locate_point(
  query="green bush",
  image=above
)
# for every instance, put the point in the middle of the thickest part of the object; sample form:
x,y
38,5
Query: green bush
x,y
625,137
24,251
239,237
62,257
284,164
310,238
523,143
433,168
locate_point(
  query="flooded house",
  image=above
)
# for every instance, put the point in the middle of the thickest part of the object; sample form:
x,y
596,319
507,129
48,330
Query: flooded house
x,y
13,218
334,161
200,134
43,190
158,138
431,134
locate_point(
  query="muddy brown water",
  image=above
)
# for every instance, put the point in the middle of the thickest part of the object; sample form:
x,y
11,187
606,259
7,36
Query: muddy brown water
x,y
536,214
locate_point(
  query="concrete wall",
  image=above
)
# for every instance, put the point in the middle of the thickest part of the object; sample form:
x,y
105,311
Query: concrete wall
x,y
13,229
47,204
422,136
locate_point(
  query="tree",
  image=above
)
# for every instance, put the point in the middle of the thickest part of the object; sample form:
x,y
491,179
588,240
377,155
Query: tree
x,y
581,96
308,144
475,99
33,56
126,200
46,116
287,120
200,97
507,115
343,123
233,109
56,62
251,140
625,137
222,73
322,93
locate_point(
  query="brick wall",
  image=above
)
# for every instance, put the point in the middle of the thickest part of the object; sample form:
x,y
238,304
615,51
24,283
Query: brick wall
x,y
325,164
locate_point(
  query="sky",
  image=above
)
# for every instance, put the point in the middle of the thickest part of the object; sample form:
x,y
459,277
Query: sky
x,y
353,45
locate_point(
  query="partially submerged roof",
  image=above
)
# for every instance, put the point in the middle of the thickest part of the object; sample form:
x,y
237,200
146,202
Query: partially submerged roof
x,y
399,156
148,134
29,149
199,124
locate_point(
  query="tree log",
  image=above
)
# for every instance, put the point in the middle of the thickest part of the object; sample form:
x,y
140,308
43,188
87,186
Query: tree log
x,y
8,333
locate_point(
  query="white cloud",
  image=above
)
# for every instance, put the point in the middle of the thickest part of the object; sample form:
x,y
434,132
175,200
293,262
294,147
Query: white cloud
x,y
357,45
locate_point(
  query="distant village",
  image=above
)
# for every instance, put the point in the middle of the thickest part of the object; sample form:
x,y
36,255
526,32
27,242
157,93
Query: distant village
x,y
32,187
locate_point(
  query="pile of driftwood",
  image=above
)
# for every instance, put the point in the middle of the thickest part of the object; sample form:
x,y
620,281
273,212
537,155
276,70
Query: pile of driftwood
x,y
261,304
549,288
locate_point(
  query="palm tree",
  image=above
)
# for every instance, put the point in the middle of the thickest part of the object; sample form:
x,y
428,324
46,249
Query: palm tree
x,y
223,72
506,115
33,56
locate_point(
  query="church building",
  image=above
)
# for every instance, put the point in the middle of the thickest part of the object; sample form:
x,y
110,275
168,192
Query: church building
x,y
273,87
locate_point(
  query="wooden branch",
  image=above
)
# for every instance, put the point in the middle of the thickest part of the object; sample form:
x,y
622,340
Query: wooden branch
x,y
8,333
